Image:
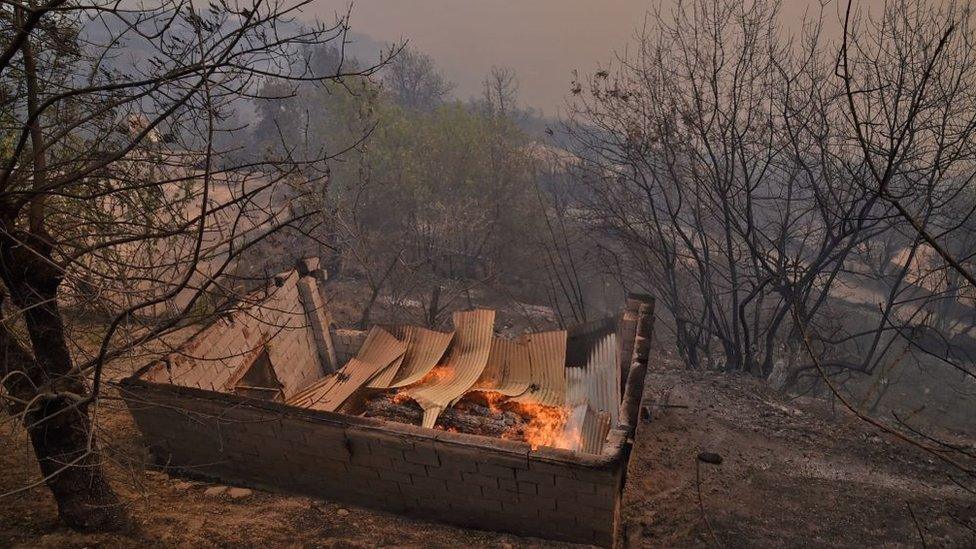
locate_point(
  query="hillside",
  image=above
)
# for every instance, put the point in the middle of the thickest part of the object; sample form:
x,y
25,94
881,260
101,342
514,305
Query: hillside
x,y
793,474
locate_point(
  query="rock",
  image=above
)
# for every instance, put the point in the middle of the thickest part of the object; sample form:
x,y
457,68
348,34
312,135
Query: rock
x,y
342,512
710,457
238,493
215,491
183,486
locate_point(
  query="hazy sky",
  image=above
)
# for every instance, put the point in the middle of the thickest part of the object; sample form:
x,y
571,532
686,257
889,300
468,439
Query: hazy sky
x,y
543,40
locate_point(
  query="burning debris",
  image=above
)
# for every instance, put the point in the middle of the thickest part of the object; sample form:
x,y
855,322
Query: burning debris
x,y
258,398
472,382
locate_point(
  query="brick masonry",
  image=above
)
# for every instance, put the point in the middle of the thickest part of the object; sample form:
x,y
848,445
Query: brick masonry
x,y
468,480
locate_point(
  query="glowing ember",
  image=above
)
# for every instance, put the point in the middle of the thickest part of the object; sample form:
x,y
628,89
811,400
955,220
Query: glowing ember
x,y
401,398
545,425
440,374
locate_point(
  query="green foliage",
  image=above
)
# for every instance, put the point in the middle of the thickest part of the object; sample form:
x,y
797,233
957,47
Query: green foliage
x,y
452,180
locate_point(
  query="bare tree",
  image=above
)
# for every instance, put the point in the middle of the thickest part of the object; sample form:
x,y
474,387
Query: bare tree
x,y
501,88
414,80
712,175
116,197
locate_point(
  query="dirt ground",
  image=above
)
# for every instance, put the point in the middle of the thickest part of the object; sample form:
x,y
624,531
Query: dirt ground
x,y
792,474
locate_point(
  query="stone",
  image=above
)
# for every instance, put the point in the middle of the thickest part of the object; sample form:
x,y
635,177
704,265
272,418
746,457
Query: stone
x,y
183,486
215,491
342,512
238,493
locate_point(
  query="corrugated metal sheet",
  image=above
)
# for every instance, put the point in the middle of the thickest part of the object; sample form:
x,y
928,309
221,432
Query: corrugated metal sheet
x,y
462,367
425,348
547,358
385,377
381,348
329,393
585,430
576,379
595,383
508,371
582,338
596,426
603,370
379,351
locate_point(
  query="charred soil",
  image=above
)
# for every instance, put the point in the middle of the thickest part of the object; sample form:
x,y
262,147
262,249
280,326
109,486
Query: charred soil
x,y
793,473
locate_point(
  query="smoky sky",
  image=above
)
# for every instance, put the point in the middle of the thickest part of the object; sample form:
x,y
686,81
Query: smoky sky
x,y
543,40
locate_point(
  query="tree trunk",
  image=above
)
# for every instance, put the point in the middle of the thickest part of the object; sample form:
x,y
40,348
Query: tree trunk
x,y
57,417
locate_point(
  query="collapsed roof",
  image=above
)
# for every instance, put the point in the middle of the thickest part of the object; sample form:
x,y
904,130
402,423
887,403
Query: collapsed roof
x,y
545,388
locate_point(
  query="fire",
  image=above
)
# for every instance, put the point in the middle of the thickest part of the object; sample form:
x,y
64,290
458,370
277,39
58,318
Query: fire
x,y
440,374
545,424
494,401
400,397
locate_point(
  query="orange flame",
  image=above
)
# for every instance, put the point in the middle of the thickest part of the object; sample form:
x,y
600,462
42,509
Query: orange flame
x,y
401,397
440,374
545,426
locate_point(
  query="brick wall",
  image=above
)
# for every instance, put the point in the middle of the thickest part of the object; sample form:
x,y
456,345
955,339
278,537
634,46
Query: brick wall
x,y
463,479
347,343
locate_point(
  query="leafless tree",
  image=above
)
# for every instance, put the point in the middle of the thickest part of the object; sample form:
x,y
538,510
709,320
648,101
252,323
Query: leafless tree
x,y
713,175
414,81
501,89
116,196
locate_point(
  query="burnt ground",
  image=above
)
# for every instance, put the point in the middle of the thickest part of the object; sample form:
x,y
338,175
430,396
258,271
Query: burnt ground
x,y
793,474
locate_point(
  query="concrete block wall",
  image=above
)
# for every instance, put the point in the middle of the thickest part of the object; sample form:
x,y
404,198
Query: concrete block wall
x,y
347,343
467,480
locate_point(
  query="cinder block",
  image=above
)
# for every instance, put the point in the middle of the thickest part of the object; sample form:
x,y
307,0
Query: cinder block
x,y
371,461
444,473
559,493
361,472
431,484
423,455
599,502
536,477
499,494
394,476
571,484
496,471
508,484
479,480
410,468
455,463
539,503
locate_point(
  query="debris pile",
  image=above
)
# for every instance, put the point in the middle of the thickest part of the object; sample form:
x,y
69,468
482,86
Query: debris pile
x,y
471,381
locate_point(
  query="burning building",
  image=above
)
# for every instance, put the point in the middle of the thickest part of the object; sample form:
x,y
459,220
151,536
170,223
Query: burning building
x,y
530,435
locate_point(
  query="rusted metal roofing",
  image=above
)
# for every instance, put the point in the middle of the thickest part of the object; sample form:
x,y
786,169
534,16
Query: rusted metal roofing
x,y
585,430
383,379
329,393
425,348
603,370
547,359
508,370
461,368
381,348
595,382
378,352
